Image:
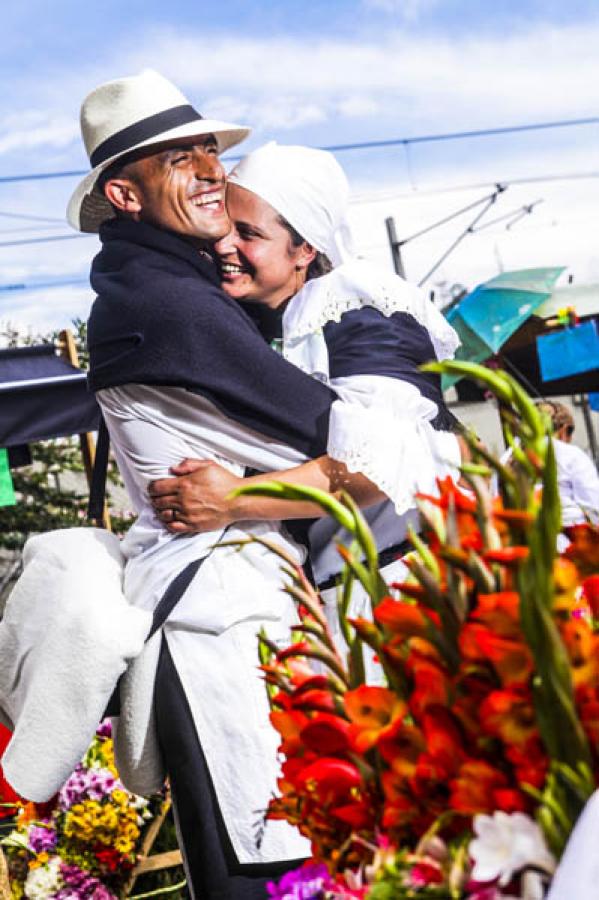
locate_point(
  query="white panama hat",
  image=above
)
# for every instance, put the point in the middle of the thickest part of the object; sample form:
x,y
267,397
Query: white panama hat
x,y
128,114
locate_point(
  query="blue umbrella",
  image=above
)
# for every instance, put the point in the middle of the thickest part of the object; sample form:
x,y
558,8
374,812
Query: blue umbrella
x,y
486,318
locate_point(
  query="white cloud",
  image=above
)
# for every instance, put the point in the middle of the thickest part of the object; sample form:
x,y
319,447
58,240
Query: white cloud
x,y
34,129
408,10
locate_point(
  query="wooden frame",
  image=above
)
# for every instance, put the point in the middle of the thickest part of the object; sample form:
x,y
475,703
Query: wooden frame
x,y
68,351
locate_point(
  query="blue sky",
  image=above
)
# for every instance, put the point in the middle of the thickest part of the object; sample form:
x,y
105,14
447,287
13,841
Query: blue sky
x,y
321,73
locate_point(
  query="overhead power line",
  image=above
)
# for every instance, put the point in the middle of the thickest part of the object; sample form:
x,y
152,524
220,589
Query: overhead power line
x,y
363,145
45,240
35,286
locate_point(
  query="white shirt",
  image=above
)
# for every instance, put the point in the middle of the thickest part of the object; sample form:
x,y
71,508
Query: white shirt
x,y
578,483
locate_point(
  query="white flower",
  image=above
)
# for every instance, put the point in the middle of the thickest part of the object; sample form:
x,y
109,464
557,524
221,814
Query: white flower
x,y
43,882
505,844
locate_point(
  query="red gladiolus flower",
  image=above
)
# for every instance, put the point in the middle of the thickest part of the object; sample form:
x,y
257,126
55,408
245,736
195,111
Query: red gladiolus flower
x,y
330,780
7,795
318,701
327,734
590,590
530,762
510,800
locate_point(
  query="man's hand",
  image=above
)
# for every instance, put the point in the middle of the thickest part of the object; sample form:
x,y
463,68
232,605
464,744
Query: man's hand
x,y
194,500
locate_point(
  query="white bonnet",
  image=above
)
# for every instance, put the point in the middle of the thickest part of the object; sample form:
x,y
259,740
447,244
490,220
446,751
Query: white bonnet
x,y
307,187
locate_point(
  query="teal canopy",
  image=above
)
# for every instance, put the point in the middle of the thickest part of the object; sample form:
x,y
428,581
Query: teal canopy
x,y
486,318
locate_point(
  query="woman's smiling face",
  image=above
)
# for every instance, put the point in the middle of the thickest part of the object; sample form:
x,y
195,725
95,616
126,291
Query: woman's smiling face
x,y
258,260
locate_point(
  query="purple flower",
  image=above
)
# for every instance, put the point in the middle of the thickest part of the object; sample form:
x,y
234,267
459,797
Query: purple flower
x,y
104,729
80,885
42,838
94,784
306,883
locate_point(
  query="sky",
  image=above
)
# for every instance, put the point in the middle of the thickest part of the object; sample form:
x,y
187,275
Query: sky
x,y
324,74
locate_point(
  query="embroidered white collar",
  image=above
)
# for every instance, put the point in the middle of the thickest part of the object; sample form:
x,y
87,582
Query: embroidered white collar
x,y
356,284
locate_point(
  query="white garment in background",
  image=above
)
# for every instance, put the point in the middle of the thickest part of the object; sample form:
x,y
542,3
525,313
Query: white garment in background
x,y
66,635
578,483
577,876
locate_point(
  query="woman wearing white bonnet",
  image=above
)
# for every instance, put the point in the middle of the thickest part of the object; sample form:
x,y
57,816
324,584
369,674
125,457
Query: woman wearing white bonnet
x,y
350,323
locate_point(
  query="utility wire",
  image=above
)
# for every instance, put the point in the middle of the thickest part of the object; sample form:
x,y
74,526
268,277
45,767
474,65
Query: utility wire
x,y
29,217
364,145
10,288
515,214
45,240
446,219
469,230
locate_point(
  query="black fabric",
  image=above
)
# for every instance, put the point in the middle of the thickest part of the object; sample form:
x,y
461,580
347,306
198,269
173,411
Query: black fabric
x,y
97,490
60,406
269,322
211,863
19,456
367,342
385,558
142,131
161,319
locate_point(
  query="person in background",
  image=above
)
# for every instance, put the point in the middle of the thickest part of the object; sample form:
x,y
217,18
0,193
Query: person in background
x,y
577,478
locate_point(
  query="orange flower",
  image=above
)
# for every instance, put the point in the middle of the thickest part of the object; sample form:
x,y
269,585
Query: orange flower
x,y
401,746
443,739
507,556
403,618
499,611
373,711
509,715
475,787
566,580
510,658
582,646
431,684
584,549
289,724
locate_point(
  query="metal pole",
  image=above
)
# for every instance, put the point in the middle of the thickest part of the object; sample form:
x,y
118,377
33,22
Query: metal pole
x,y
588,424
395,247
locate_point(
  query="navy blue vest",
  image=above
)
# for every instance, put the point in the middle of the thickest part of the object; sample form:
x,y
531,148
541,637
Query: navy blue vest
x,y
160,318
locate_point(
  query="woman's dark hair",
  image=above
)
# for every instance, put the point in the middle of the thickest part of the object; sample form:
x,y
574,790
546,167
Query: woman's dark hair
x,y
320,265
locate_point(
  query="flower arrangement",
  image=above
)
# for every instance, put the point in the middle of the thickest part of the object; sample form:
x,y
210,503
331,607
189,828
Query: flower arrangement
x,y
463,772
83,844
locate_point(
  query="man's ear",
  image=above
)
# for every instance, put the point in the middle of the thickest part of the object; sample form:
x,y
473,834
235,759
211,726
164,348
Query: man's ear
x,y
123,194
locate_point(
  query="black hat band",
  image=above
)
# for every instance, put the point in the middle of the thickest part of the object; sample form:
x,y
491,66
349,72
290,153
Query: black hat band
x,y
141,131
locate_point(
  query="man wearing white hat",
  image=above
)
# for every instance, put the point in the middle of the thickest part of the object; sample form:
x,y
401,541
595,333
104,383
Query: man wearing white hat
x,y
180,370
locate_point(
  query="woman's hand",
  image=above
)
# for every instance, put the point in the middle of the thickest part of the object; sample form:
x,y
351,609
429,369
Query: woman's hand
x,y
195,499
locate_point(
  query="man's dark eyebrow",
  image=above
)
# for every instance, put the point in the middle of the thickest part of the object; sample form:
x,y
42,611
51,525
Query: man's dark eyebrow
x,y
203,140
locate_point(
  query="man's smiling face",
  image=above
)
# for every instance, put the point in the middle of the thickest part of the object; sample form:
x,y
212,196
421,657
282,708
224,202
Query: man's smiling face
x,y
181,188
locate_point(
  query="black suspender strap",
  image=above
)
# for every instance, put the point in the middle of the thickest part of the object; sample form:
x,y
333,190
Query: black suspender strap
x,y
164,608
173,594
97,490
